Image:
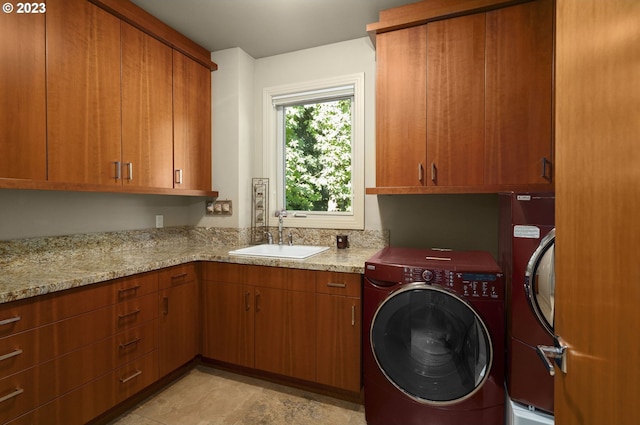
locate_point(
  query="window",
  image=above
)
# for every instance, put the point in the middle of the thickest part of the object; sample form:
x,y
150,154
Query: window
x,y
313,152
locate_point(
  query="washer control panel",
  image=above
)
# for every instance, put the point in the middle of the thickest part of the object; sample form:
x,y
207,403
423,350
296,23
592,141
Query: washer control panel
x,y
468,284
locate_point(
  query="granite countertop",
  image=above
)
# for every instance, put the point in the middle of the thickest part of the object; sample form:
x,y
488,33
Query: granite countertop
x,y
39,276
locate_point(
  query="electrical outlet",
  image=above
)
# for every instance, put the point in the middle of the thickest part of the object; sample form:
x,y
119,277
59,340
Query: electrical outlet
x,y
159,221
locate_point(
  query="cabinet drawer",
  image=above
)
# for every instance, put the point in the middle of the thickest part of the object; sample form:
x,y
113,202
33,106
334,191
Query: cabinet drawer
x,y
177,275
223,272
27,314
281,278
347,284
62,374
85,403
38,345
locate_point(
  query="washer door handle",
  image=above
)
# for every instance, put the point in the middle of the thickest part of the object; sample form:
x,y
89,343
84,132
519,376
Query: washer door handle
x,y
556,354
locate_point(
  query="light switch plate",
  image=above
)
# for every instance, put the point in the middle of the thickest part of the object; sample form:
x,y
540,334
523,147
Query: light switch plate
x,y
219,207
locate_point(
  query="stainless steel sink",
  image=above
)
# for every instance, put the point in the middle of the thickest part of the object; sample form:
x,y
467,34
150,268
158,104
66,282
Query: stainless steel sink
x,y
295,252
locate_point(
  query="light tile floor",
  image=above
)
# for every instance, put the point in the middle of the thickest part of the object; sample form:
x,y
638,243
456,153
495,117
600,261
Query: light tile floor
x,y
207,396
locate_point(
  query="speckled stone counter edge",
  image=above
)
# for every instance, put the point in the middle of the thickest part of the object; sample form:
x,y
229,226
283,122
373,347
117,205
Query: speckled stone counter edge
x,y
37,266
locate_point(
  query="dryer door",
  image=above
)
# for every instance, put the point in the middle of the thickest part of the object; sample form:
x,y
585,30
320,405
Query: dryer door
x,y
540,282
431,344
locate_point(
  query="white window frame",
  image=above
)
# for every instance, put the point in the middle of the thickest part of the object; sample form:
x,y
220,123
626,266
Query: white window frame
x,y
273,153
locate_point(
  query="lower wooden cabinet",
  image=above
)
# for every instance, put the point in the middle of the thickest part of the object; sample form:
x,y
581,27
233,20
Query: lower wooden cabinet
x,y
71,356
339,330
178,317
85,403
284,321
66,343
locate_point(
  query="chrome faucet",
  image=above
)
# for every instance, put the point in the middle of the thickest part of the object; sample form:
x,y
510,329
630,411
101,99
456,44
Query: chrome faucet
x,y
281,215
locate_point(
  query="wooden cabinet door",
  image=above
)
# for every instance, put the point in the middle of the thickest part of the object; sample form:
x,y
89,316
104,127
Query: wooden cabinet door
x,y
179,326
147,110
519,93
455,101
285,323
228,322
339,341
191,123
23,141
401,107
83,93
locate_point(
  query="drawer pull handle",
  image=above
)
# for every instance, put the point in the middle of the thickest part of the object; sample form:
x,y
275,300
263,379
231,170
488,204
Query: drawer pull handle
x,y
130,377
131,288
10,320
247,302
337,285
131,313
14,353
179,276
353,315
133,341
15,393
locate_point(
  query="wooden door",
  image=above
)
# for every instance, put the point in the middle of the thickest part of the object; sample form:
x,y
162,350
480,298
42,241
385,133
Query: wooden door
x,y
597,205
147,110
179,326
455,101
23,141
338,344
228,322
519,75
191,123
401,107
285,326
83,93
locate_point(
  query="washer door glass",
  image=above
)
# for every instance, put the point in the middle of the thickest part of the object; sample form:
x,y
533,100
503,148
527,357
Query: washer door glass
x,y
431,344
540,283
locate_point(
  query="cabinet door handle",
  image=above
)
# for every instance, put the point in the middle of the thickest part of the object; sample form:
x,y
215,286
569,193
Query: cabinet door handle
x,y
247,302
131,313
546,174
11,395
336,285
10,320
178,176
133,341
122,291
14,353
165,305
130,377
434,172
420,172
129,171
353,315
118,170
180,276
257,301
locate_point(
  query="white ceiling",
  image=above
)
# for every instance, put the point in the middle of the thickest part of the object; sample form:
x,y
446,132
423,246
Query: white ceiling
x,y
268,27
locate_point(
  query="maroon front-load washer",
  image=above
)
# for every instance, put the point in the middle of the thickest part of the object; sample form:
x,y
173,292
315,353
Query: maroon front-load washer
x,y
434,325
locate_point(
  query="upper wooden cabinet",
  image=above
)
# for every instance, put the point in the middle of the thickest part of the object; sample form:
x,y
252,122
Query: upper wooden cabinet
x,y
22,97
191,123
93,91
464,103
83,93
455,101
147,110
519,94
401,107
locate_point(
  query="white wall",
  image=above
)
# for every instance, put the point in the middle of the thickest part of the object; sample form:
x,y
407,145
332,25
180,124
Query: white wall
x,y
34,213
